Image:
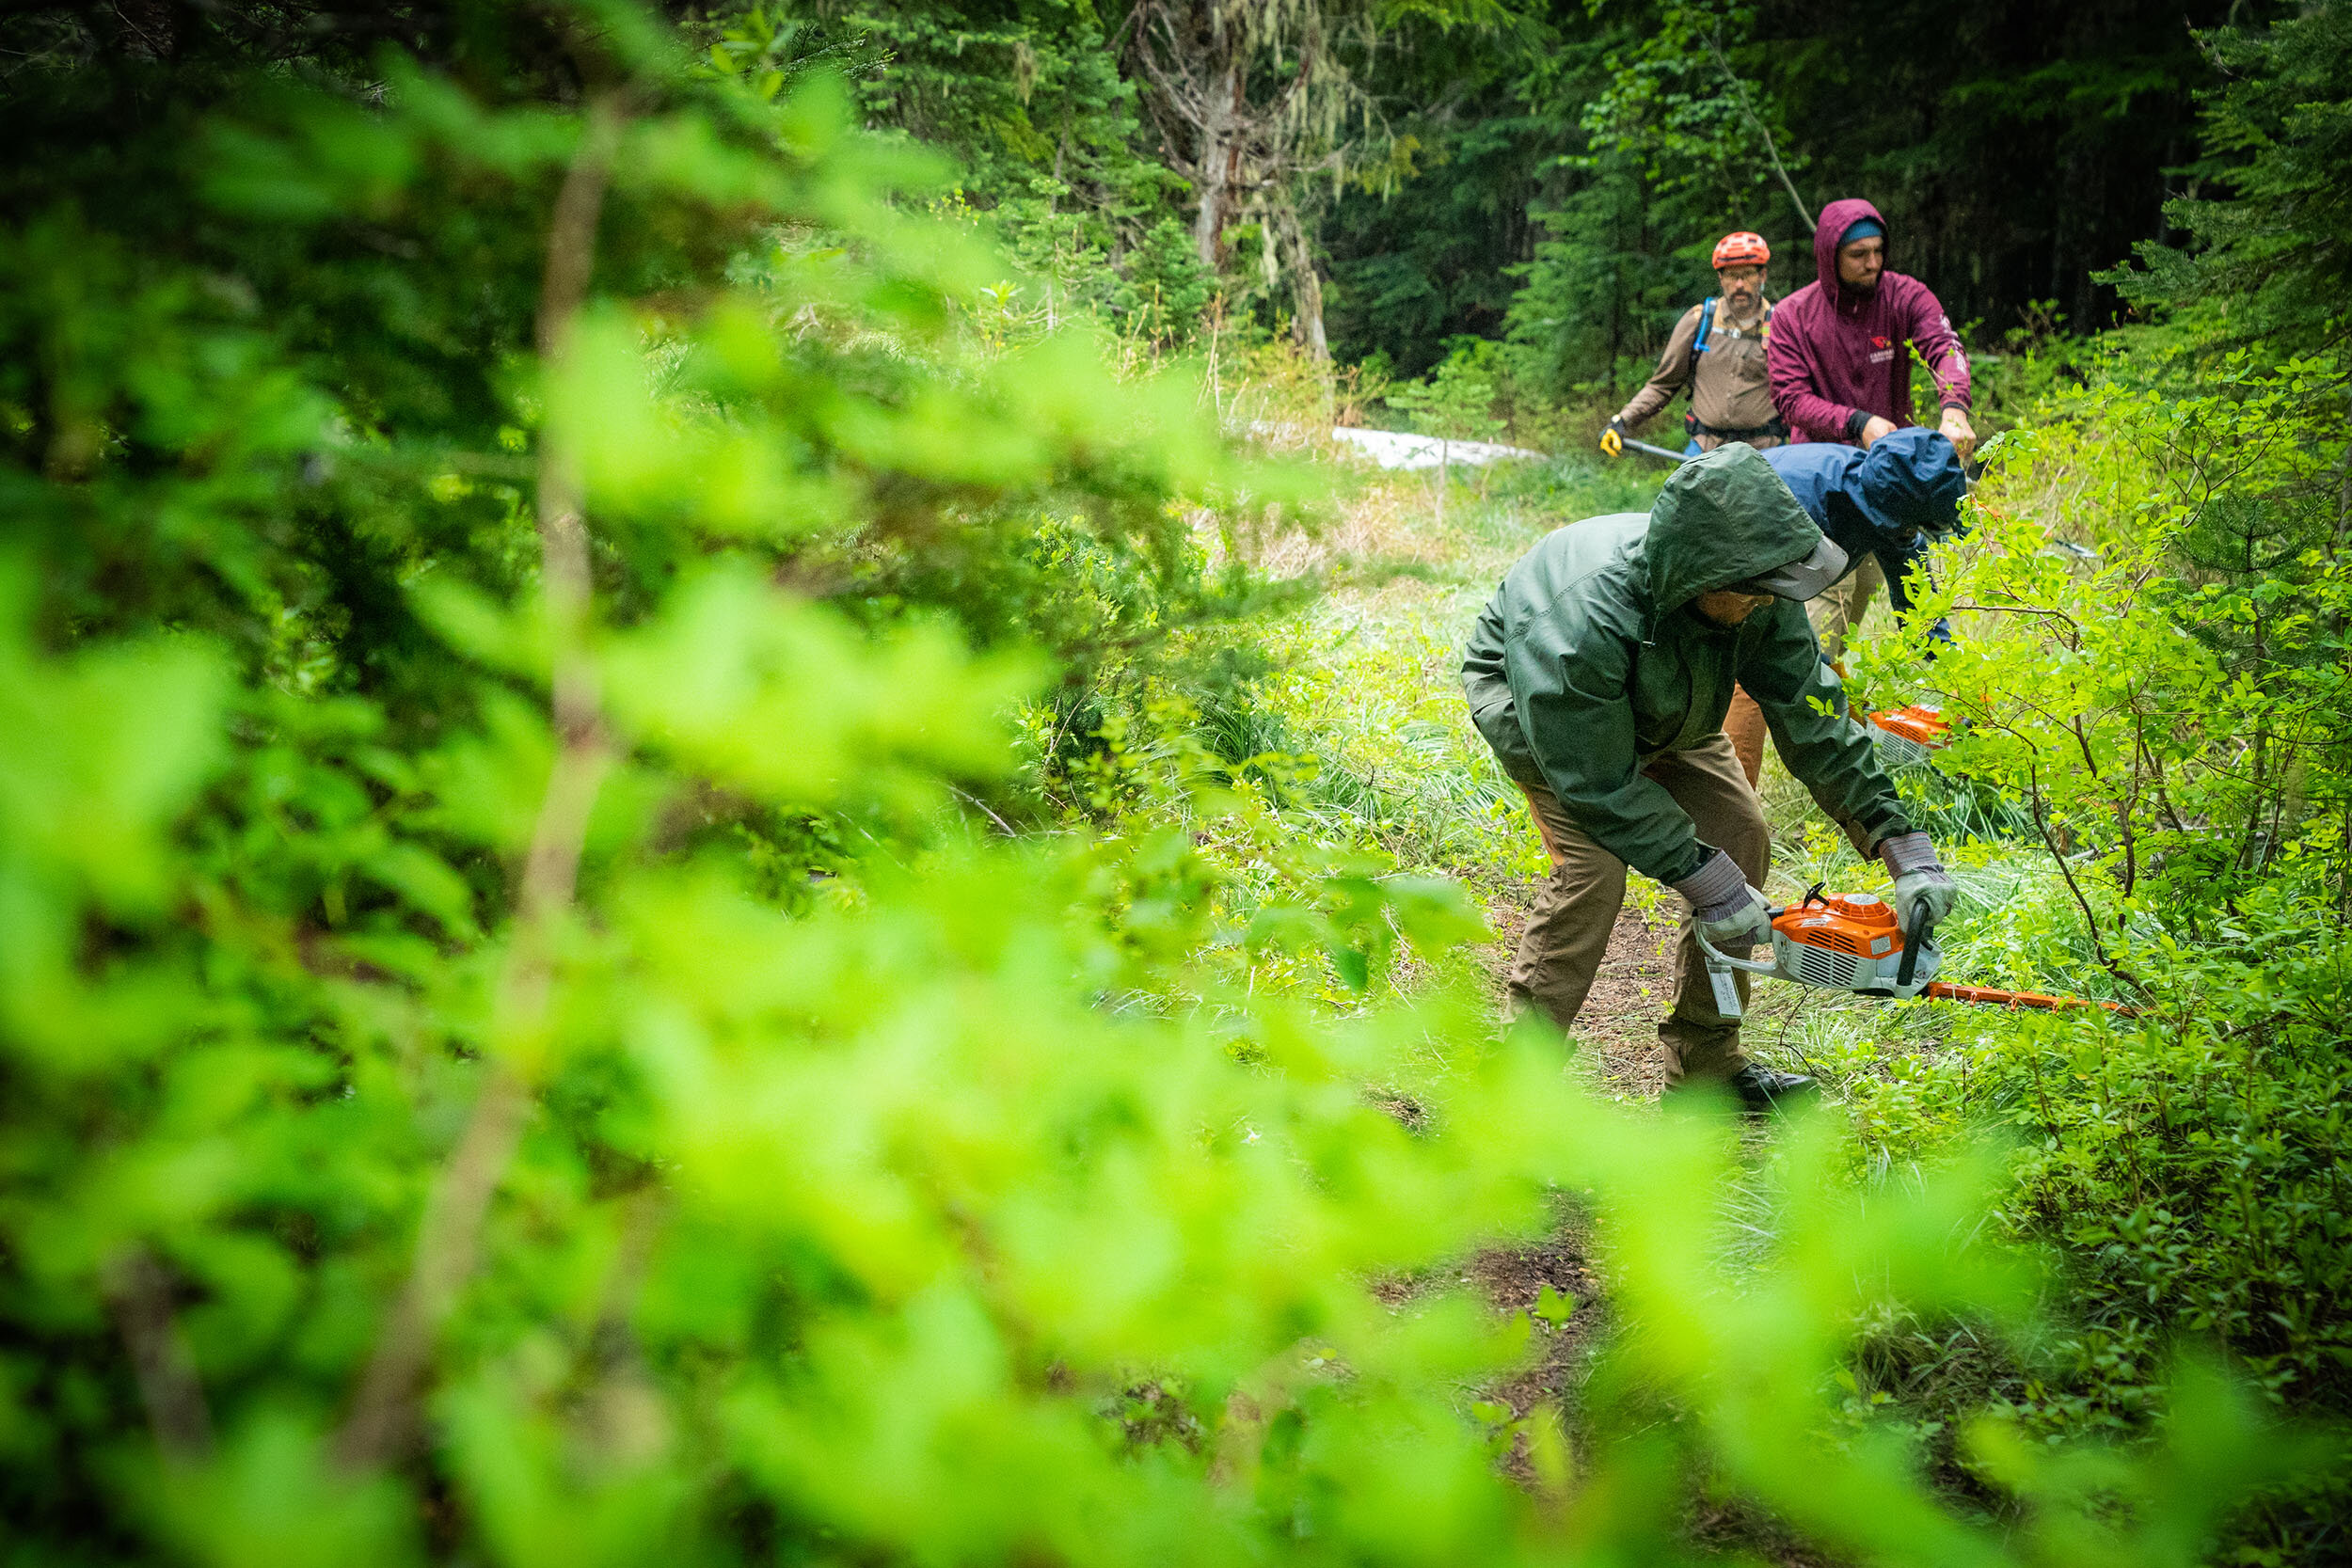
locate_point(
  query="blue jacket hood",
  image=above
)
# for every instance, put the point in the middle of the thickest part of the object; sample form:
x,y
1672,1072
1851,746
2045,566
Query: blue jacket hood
x,y
1913,479
1909,480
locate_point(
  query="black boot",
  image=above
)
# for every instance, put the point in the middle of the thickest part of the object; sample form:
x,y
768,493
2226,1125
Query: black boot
x,y
1761,1089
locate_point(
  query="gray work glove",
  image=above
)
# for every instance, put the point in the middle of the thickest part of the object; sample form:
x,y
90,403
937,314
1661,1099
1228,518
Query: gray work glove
x,y
1731,915
1911,860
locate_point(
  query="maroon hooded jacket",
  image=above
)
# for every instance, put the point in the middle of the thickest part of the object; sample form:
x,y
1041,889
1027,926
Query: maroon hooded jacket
x,y
1833,353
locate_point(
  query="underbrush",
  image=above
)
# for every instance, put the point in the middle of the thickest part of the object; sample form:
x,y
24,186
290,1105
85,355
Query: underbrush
x,y
2144,802
1368,683
2183,1167
1337,750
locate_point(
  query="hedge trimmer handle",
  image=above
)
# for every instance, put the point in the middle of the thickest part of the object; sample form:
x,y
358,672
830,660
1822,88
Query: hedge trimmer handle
x,y
1644,448
1718,967
1913,934
1716,956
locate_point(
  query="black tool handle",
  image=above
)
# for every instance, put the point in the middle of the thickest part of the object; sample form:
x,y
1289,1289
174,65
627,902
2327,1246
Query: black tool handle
x,y
1913,935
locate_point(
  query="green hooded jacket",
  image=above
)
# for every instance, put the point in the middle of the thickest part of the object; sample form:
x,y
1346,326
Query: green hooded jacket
x,y
1591,660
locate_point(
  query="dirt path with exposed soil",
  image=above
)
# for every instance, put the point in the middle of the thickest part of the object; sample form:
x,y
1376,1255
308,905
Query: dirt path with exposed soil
x,y
1628,996
1618,1031
1620,1020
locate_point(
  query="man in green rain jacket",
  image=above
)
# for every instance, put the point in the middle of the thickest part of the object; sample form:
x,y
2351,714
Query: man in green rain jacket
x,y
1601,673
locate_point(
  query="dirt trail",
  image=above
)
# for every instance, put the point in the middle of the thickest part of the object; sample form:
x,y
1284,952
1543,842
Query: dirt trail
x,y
1620,1022
1628,998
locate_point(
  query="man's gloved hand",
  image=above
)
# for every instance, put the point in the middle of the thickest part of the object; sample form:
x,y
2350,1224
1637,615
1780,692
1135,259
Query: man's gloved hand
x,y
1731,915
1939,638
1911,859
1613,438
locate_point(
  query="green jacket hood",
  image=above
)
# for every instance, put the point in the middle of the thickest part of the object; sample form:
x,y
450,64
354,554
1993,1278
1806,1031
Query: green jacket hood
x,y
1720,519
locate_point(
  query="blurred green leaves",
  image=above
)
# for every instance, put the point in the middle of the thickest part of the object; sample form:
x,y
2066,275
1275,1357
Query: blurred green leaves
x,y
106,750
751,690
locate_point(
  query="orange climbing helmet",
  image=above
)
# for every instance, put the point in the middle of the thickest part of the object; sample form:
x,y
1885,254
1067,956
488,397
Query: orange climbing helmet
x,y
1742,249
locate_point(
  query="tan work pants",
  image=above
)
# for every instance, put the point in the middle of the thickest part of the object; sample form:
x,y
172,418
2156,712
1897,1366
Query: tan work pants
x,y
1834,612
1568,931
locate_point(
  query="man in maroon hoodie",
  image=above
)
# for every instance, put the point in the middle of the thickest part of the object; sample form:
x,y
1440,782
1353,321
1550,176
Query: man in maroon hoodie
x,y
1839,355
1840,350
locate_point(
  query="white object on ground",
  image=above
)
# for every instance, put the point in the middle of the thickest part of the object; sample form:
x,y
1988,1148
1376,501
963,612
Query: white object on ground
x,y
1393,450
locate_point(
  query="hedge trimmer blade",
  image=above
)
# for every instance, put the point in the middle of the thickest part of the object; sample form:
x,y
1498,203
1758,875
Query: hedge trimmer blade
x,y
1987,996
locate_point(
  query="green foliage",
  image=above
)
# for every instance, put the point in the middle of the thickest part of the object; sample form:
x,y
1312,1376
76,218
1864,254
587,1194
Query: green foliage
x,y
2166,714
1166,289
864,1225
1029,99
1552,175
1457,399
2177,704
1418,257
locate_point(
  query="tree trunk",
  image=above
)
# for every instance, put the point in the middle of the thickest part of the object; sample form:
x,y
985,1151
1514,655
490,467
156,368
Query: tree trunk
x,y
1220,162
1307,285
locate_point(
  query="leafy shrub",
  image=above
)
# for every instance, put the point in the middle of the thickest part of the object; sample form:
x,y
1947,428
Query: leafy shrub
x,y
2152,671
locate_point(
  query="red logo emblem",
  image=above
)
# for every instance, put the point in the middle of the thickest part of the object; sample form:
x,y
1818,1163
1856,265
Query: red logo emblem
x,y
1882,343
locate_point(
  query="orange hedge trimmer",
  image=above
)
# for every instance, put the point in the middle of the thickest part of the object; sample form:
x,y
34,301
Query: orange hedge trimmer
x,y
1853,941
1905,737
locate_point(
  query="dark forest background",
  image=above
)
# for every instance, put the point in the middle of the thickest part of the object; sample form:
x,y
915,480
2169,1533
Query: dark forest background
x,y
2017,151
1380,180
1554,174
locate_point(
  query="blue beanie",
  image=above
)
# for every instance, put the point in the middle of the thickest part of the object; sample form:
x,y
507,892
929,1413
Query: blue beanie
x,y
1861,229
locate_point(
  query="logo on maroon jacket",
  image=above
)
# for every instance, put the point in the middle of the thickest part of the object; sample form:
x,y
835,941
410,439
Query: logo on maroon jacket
x,y
1882,343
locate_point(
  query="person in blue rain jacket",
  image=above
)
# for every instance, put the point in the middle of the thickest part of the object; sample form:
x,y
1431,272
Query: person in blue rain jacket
x,y
1881,505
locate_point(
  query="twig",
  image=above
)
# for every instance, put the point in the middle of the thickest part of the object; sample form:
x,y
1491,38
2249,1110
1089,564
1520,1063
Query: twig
x,y
2049,1122
450,1234
2090,921
984,806
1739,91
2075,633
447,1240
140,1291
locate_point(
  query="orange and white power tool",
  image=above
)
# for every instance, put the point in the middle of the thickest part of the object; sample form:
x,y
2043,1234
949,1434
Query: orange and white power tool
x,y
1853,941
1905,735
